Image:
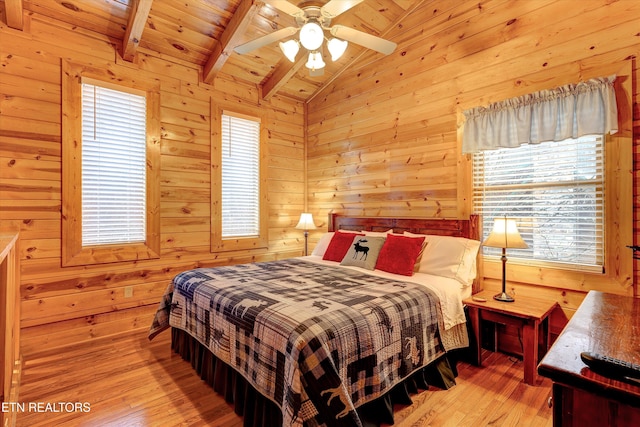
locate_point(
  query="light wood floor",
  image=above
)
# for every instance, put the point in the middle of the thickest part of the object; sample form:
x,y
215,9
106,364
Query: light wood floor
x,y
129,381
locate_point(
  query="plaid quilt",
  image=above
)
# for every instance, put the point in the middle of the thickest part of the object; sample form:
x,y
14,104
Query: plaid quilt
x,y
318,341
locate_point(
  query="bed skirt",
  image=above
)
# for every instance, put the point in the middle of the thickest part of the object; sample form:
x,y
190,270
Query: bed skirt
x,y
258,411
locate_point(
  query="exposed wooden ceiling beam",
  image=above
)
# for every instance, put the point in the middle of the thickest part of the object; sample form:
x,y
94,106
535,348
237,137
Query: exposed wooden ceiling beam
x,y
230,37
282,74
13,11
137,21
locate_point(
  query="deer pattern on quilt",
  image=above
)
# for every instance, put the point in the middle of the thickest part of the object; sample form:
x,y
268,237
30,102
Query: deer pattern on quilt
x,y
244,306
333,393
414,353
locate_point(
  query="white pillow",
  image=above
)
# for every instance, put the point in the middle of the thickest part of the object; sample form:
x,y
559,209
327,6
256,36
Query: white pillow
x,y
323,244
449,256
377,233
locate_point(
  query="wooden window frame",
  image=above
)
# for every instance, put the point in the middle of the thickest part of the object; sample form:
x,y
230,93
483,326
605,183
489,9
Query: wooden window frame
x,y
73,253
218,244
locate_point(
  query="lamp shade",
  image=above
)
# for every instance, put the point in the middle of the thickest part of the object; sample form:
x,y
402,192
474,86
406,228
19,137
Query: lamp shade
x,y
290,49
505,234
306,222
315,61
336,48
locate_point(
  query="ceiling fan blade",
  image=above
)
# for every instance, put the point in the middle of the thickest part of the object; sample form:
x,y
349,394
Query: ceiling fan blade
x,y
265,40
286,7
335,7
363,39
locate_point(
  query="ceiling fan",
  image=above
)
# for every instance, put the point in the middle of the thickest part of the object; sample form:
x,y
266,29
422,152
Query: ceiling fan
x,y
313,21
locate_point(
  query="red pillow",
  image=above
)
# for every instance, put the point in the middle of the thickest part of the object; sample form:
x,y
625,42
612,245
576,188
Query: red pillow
x,y
399,253
339,245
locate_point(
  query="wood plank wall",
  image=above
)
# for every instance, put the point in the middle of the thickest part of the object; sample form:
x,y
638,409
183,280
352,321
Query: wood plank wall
x,y
67,305
383,138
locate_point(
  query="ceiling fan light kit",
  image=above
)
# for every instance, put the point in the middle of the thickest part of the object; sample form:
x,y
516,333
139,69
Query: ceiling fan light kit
x,y
312,22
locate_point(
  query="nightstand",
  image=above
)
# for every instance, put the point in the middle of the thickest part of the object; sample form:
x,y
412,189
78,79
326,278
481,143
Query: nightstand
x,y
529,315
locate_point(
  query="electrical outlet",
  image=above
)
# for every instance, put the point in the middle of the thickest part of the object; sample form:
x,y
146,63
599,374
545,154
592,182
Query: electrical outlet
x,y
128,291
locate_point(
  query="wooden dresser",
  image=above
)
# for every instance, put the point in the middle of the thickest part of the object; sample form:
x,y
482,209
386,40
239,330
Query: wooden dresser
x,y
607,324
10,358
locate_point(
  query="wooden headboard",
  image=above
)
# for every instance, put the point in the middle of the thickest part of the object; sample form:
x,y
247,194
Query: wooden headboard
x,y
469,228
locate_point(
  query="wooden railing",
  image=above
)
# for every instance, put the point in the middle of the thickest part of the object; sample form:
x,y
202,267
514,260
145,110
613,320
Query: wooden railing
x,y
10,357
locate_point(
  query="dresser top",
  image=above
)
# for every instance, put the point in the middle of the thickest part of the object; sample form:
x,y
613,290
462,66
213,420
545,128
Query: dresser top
x,y
606,324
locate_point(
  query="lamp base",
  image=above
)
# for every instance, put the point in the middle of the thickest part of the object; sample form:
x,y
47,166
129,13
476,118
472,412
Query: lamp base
x,y
503,297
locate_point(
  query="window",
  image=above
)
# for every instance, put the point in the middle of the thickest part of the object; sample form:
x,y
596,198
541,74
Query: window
x,y
240,176
110,168
555,191
239,218
113,166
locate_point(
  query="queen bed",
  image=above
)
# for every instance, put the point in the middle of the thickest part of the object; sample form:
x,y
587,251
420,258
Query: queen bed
x,y
337,337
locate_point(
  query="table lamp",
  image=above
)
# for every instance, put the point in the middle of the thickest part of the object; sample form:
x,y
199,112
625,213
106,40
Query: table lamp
x,y
306,223
504,235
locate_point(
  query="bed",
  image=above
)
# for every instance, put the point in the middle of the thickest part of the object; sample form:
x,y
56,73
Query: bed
x,y
337,337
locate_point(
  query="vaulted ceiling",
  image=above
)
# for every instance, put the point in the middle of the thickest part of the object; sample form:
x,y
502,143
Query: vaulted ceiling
x,y
205,32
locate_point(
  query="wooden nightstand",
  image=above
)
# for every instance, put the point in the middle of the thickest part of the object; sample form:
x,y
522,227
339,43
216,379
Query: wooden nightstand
x,y
527,314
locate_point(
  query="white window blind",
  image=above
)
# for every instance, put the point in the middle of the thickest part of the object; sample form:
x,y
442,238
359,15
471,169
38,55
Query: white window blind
x,y
555,191
240,176
113,166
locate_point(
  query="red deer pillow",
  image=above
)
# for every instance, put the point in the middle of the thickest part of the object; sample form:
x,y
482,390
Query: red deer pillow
x,y
398,254
339,245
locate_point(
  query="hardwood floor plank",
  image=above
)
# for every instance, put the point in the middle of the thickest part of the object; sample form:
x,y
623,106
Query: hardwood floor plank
x,y
129,381
494,395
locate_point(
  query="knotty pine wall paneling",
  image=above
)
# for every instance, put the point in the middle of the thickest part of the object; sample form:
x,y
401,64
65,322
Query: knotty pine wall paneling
x,y
384,137
67,305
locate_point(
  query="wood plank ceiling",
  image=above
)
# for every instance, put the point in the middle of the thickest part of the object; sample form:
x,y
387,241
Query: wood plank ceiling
x,y
204,32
